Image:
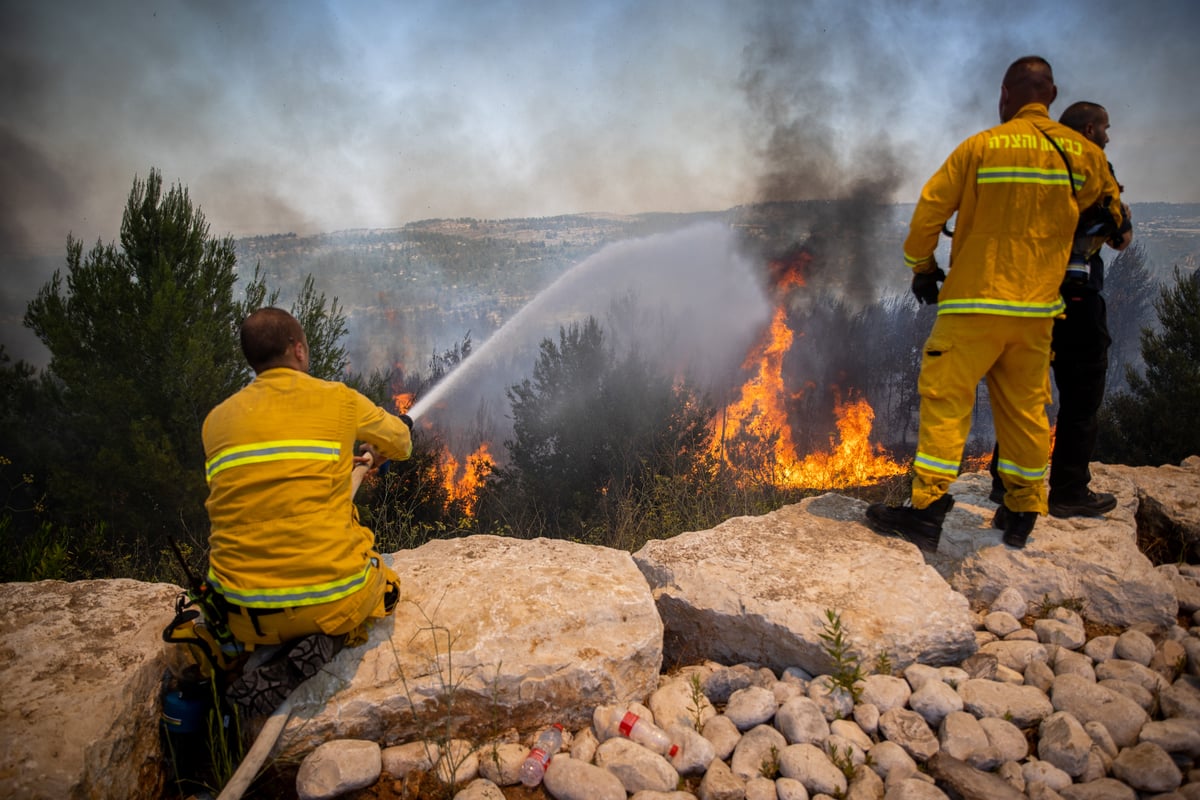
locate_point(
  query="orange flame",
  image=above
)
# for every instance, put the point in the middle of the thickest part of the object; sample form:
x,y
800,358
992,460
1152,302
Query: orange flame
x,y
462,481
403,401
787,272
850,462
760,412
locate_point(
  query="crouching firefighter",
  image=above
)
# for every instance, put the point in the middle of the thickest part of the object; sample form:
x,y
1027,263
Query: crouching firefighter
x,y
294,569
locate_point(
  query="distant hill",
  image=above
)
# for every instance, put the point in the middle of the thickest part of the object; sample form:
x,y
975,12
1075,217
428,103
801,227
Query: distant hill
x,y
416,290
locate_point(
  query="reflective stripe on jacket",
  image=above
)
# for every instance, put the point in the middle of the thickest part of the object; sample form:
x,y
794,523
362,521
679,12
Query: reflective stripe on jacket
x,y
1016,215
278,459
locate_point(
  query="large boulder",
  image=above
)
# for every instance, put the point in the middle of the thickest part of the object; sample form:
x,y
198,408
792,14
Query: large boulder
x,y
1168,508
761,588
1092,560
528,632
81,667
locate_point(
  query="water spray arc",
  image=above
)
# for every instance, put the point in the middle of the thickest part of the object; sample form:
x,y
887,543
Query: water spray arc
x,y
707,293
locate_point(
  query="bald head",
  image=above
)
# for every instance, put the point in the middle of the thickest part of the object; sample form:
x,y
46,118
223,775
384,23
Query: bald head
x,y
1028,80
271,337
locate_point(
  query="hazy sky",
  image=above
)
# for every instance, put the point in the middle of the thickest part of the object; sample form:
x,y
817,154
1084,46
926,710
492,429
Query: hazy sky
x,y
317,116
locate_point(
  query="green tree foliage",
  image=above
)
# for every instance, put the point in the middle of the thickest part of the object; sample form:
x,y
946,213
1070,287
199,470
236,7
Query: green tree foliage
x,y
590,429
1152,423
143,343
324,327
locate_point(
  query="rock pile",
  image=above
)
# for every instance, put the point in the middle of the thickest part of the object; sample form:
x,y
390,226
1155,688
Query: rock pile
x,y
1039,711
503,633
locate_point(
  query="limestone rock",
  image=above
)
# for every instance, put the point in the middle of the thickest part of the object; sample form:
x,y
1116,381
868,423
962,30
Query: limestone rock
x,y
467,632
812,767
1134,645
480,789
865,784
399,760
1011,601
676,702
1006,738
1095,560
723,735
908,729
338,767
960,735
885,692
1089,702
636,767
1063,742
889,757
695,751
1100,789
801,721
746,591
850,731
719,783
970,783
82,665
1182,698
571,779
1176,735
1024,705
1147,768
1043,772
751,706
501,763
1167,498
757,751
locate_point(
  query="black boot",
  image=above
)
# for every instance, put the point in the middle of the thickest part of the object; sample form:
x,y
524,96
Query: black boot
x,y
1018,526
1000,520
261,690
1088,504
921,526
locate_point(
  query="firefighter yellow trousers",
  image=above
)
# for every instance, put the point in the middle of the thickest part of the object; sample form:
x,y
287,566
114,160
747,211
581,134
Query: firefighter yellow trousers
x,y
1013,353
347,616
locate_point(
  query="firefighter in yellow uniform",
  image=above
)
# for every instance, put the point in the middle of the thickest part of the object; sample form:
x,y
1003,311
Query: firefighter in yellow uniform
x,y
287,552
1017,189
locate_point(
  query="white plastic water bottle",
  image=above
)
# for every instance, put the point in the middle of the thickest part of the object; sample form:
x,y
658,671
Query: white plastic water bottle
x,y
547,744
648,735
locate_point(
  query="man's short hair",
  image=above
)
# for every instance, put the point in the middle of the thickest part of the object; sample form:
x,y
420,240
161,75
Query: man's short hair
x,y
266,335
1078,116
1030,76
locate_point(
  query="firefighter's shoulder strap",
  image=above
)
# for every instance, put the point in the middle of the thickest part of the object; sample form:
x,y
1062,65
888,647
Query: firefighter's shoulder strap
x,y
1067,161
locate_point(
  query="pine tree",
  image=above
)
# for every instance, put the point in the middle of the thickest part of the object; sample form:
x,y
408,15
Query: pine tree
x,y
590,427
1152,423
143,342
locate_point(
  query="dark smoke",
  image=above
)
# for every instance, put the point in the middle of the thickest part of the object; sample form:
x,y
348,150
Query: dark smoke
x,y
789,82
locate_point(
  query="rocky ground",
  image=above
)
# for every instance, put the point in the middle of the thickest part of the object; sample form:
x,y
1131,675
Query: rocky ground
x,y
1049,707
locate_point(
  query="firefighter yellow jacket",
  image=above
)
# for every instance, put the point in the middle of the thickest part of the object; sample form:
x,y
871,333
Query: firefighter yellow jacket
x,y
278,458
1016,215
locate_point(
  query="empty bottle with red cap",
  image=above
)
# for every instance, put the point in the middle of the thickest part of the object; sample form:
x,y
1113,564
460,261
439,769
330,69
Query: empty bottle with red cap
x,y
547,744
647,734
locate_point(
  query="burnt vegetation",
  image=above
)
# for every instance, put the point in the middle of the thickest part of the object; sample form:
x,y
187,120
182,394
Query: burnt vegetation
x,y
100,453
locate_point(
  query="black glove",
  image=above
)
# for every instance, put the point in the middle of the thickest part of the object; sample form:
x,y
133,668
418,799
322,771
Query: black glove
x,y
1118,238
925,284
407,420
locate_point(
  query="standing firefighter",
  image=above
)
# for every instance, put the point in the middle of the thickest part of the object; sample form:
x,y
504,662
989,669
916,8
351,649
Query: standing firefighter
x,y
1017,189
1079,349
287,554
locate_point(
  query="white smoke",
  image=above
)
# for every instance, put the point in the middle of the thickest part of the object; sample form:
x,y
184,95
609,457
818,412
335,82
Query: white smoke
x,y
686,301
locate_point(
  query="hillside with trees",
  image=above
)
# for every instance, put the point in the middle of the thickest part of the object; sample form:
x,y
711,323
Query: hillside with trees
x,y
596,434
